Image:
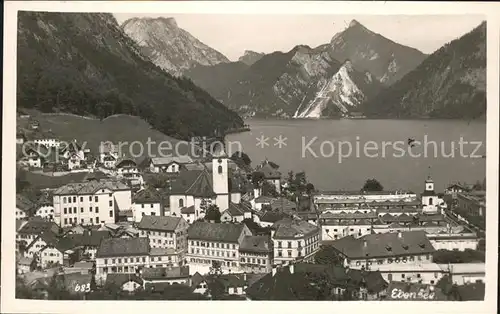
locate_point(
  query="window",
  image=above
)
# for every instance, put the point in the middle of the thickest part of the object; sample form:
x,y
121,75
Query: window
x,y
91,220
74,199
110,203
110,213
90,198
69,199
219,169
96,198
402,275
65,210
289,244
142,205
90,209
65,221
96,210
96,220
153,214
418,275
280,254
81,198
181,202
81,221
279,244
327,230
105,261
64,200
151,205
430,200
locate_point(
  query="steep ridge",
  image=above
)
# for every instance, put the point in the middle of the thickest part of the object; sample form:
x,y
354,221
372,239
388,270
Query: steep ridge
x,y
168,46
450,83
344,92
368,51
250,57
83,63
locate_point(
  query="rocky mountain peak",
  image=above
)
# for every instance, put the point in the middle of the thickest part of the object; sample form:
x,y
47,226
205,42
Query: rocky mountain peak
x,y
355,23
170,47
249,57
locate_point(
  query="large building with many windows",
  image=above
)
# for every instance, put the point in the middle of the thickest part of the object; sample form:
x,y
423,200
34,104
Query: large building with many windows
x,y
166,232
90,203
294,240
215,244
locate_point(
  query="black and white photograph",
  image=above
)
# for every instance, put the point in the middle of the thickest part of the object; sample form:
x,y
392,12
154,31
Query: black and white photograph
x,y
163,155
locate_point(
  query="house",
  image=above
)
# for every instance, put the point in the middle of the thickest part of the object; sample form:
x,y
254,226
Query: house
x,y
431,202
198,283
283,204
215,243
127,256
73,154
294,240
80,268
50,249
262,200
87,242
269,218
165,257
165,275
236,213
169,164
234,283
23,265
422,273
341,224
35,155
190,214
202,188
375,250
127,168
44,207
108,154
31,230
147,201
90,202
460,241
472,203
166,232
24,207
465,273
125,282
455,188
271,174
256,254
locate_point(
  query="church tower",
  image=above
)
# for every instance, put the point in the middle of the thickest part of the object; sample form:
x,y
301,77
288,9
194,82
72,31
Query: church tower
x,y
430,200
220,177
429,184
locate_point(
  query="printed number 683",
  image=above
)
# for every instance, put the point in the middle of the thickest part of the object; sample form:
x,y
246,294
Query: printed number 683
x,y
83,288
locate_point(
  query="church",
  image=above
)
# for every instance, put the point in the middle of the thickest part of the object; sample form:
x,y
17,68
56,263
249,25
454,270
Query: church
x,y
195,190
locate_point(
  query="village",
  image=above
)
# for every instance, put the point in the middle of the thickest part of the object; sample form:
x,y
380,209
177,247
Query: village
x,y
113,227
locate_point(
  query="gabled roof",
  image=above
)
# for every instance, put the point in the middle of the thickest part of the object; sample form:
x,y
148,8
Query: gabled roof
x,y
24,203
188,210
91,238
269,171
123,247
164,161
219,232
121,279
283,204
196,279
196,183
291,228
146,196
258,244
162,273
124,161
90,187
272,216
161,223
384,245
237,209
37,225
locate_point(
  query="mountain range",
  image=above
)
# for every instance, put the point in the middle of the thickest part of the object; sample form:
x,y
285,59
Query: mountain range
x,y
450,83
87,64
84,63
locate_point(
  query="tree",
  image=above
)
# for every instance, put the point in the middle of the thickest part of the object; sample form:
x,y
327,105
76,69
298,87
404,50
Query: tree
x,y
269,189
257,178
213,213
309,188
372,185
327,255
241,158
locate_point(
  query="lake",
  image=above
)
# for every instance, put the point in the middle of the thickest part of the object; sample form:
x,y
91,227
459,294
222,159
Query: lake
x,y
342,154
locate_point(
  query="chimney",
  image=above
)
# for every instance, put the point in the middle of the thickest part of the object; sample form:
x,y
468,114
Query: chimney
x,y
400,235
245,276
292,268
365,244
273,272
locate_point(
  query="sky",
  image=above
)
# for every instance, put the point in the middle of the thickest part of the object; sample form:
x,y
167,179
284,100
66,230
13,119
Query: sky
x,y
232,34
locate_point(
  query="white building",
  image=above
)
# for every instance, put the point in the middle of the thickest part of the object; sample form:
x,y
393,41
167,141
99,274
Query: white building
x,y
108,154
169,164
423,273
202,188
219,243
93,202
372,251
431,202
48,142
465,273
294,240
271,175
147,202
24,207
454,241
